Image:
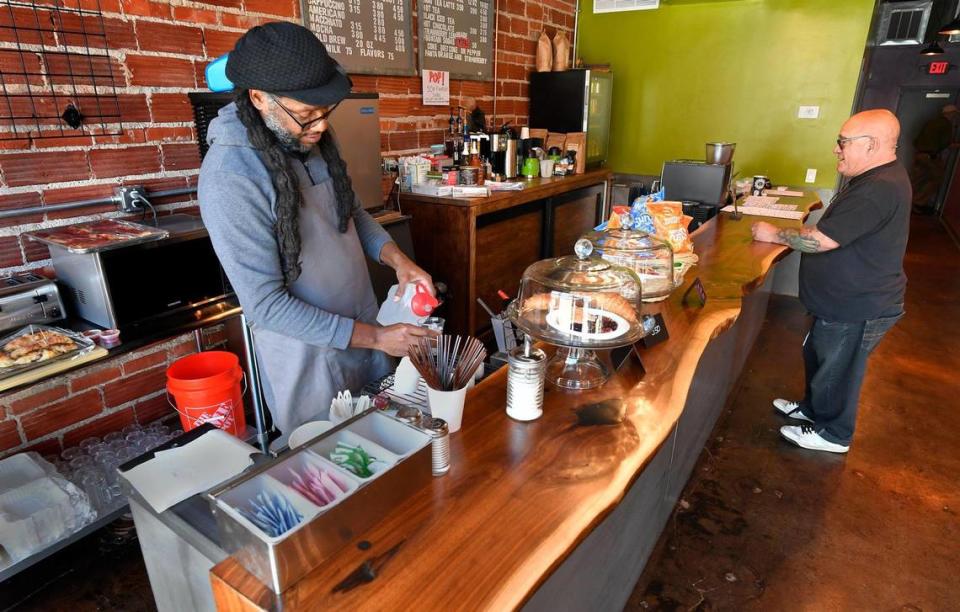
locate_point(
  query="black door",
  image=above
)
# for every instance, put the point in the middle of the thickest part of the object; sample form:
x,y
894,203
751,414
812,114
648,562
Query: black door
x,y
915,108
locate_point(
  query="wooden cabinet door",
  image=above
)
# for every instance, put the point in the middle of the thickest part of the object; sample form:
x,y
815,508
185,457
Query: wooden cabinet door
x,y
507,242
572,215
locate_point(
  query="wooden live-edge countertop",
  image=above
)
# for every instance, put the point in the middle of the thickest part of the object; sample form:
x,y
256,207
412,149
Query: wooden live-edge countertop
x,y
534,189
520,497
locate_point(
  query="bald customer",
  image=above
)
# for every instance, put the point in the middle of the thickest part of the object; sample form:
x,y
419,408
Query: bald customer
x,y
851,279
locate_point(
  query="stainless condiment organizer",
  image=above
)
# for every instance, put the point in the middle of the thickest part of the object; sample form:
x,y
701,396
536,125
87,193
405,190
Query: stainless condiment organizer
x,y
280,562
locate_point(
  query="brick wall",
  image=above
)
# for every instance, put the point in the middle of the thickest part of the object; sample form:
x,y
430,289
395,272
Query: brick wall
x,y
158,51
92,401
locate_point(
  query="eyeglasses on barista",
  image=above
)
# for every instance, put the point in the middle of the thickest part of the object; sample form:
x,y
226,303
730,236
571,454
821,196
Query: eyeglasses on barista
x,y
304,125
841,140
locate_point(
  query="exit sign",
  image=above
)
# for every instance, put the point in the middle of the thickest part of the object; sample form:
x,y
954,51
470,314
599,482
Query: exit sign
x,y
938,68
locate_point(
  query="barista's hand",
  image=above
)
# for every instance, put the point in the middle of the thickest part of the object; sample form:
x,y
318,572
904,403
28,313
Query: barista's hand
x,y
764,232
412,273
396,339
407,271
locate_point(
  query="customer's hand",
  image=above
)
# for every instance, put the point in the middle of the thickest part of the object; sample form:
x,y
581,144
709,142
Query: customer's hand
x,y
396,339
764,232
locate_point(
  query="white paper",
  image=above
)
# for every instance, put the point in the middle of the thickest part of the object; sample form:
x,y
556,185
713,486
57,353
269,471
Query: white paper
x,y
766,212
174,475
436,87
783,191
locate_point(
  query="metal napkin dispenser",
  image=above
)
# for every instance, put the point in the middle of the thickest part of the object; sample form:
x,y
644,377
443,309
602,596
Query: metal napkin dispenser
x,y
279,561
29,299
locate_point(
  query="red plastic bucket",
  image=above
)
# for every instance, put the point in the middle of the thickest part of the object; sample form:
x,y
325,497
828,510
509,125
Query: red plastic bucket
x,y
207,389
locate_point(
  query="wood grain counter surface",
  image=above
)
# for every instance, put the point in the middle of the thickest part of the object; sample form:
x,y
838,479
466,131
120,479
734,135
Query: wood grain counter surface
x,y
520,497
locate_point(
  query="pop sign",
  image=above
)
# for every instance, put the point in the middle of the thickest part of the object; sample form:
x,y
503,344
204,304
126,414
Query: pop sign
x,y
436,88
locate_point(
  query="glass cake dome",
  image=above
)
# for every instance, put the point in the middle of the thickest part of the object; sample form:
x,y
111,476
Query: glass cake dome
x,y
580,303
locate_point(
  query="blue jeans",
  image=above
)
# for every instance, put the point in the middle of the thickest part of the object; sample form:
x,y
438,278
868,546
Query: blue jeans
x,y
835,359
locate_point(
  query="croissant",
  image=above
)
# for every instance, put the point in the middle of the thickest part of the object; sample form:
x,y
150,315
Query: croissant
x,y
610,302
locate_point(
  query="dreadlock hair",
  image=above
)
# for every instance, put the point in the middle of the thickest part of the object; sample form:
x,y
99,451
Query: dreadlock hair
x,y
286,185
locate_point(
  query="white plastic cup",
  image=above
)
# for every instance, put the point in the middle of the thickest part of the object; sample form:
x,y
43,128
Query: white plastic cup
x,y
447,405
406,378
546,168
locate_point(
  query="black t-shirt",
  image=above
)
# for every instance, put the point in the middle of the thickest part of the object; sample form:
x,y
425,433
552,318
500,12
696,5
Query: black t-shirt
x,y
863,278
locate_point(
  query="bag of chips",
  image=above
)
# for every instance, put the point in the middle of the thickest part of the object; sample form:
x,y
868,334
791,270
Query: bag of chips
x,y
670,225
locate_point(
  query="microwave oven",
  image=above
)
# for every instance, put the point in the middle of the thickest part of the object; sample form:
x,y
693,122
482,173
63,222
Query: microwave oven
x,y
146,288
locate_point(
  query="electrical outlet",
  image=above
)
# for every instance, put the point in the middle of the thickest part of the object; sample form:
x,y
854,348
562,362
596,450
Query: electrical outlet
x,y
811,175
809,112
130,198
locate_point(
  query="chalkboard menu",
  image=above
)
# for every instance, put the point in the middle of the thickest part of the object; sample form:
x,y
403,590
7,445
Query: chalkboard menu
x,y
457,36
365,36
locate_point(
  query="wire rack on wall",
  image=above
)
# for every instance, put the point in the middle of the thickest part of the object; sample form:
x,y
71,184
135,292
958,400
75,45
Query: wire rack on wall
x,y
56,76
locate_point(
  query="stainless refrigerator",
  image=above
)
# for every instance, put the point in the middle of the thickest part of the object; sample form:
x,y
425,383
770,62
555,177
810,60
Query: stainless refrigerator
x,y
356,124
578,100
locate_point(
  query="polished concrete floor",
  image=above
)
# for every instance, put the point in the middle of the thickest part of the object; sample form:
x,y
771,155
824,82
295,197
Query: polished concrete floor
x,y
762,525
765,525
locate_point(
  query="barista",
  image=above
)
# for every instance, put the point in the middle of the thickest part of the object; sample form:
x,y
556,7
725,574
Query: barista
x,y
289,231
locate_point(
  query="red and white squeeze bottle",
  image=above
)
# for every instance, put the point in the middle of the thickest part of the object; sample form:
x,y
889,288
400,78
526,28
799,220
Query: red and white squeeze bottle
x,y
412,308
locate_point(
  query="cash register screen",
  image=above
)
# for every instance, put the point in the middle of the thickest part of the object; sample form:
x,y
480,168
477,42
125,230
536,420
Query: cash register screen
x,y
694,181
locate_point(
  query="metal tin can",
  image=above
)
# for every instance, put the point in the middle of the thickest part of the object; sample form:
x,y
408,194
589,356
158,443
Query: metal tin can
x,y
441,444
525,384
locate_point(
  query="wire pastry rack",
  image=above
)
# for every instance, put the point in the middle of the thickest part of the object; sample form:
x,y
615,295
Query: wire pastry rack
x,y
56,75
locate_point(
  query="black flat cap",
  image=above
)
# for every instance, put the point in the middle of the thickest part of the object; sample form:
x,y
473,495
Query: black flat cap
x,y
288,60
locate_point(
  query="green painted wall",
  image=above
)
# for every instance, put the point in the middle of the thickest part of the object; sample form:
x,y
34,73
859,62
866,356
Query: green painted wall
x,y
735,70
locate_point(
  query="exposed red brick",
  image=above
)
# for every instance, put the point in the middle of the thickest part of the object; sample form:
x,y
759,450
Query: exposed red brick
x,y
14,65
61,415
134,386
185,347
128,136
9,435
152,409
397,85
25,22
225,3
180,156
83,69
283,8
245,22
104,6
94,377
38,168
69,194
145,8
170,134
364,83
10,252
170,107
99,427
76,31
33,398
20,200
63,141
120,162
400,141
146,361
189,14
219,42
161,71
33,250
169,37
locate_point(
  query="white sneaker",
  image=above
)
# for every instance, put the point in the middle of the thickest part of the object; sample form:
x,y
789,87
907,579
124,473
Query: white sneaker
x,y
790,409
805,437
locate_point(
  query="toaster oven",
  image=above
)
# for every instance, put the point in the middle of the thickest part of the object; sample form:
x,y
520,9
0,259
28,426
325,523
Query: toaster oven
x,y
28,299
149,287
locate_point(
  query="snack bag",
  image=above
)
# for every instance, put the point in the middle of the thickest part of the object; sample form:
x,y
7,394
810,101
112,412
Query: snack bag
x,y
670,225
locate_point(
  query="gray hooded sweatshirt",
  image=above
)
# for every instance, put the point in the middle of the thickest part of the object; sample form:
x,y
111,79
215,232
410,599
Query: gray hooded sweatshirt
x,y
302,330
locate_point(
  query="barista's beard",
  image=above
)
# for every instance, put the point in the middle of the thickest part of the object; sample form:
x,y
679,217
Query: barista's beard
x,y
287,140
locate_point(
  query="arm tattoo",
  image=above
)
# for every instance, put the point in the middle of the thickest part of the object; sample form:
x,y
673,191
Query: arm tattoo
x,y
799,240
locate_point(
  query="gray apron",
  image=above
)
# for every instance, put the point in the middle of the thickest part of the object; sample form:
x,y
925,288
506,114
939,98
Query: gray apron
x,y
299,379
